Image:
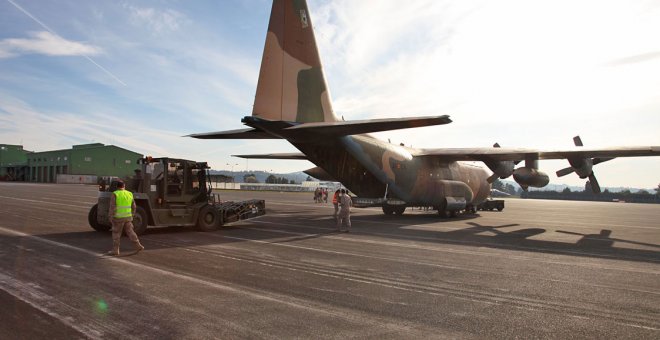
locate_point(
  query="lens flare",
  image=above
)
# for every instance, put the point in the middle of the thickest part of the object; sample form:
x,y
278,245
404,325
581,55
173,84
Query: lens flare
x,y
101,306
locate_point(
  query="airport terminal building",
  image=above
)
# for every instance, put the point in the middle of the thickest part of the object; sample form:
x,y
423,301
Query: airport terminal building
x,y
80,164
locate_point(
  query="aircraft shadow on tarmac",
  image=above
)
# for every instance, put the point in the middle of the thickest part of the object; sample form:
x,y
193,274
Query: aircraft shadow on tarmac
x,y
599,245
287,228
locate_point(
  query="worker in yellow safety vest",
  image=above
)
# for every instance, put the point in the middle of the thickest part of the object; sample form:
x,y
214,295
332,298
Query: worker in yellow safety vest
x,y
122,208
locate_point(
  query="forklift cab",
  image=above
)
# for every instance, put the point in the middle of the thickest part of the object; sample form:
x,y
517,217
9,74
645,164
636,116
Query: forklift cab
x,y
176,180
108,183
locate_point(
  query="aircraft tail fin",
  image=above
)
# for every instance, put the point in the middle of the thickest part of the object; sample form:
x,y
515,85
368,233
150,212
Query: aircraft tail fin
x,y
292,85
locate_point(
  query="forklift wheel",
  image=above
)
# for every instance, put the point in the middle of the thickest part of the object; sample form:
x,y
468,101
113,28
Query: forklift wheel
x,y
93,222
140,221
208,219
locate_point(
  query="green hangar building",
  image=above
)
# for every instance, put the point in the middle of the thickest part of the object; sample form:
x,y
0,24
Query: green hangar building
x,y
13,162
80,164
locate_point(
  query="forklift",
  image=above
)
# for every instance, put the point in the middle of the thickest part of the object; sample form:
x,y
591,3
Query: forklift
x,y
172,192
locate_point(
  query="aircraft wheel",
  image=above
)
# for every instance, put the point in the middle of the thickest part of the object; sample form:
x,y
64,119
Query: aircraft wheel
x,y
399,210
388,210
92,218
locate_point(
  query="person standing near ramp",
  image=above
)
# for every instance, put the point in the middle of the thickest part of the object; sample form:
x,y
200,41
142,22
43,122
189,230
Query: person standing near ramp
x,y
335,203
345,204
122,208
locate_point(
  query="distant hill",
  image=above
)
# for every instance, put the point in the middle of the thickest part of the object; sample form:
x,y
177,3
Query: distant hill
x,y
261,176
561,187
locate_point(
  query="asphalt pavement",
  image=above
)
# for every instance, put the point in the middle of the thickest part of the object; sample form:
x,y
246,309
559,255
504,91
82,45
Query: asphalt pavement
x,y
538,269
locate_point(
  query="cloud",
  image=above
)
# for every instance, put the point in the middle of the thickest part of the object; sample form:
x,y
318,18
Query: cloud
x,y
505,72
65,128
47,43
640,58
158,21
39,129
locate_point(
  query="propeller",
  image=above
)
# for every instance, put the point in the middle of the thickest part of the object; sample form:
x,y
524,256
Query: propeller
x,y
494,176
583,167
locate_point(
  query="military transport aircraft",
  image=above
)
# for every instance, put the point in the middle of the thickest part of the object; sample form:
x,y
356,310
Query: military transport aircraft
x,y
293,102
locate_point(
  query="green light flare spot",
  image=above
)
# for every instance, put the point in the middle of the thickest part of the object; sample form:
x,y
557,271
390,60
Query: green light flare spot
x,y
102,306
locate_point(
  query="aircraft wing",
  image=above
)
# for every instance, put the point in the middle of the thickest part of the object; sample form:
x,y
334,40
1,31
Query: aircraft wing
x,y
515,154
290,155
356,127
250,133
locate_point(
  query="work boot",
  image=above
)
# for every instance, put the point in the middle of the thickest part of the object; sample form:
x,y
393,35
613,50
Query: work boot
x,y
138,247
115,249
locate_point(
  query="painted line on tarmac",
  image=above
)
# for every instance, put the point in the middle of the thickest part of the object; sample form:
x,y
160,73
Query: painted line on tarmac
x,y
577,224
38,201
478,253
73,195
581,225
477,296
25,292
436,265
285,300
58,199
545,222
37,300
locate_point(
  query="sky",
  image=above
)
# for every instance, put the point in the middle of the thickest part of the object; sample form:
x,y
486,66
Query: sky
x,y
143,74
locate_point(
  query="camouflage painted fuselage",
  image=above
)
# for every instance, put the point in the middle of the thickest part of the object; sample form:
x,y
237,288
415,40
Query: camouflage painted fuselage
x,y
372,168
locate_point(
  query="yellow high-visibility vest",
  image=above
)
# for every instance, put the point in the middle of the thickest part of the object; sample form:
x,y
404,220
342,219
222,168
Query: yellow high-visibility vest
x,y
124,200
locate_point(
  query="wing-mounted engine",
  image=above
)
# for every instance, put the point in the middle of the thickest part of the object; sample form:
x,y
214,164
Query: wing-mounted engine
x,y
500,169
530,176
583,167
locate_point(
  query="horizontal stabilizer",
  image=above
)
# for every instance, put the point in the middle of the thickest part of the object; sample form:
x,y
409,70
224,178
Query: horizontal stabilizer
x,y
320,174
356,127
290,155
250,133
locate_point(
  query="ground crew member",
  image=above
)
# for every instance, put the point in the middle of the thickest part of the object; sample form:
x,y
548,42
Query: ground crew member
x,y
122,209
335,202
345,203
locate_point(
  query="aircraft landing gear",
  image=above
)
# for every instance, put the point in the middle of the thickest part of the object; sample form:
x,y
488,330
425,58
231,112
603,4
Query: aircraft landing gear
x,y
442,209
393,209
